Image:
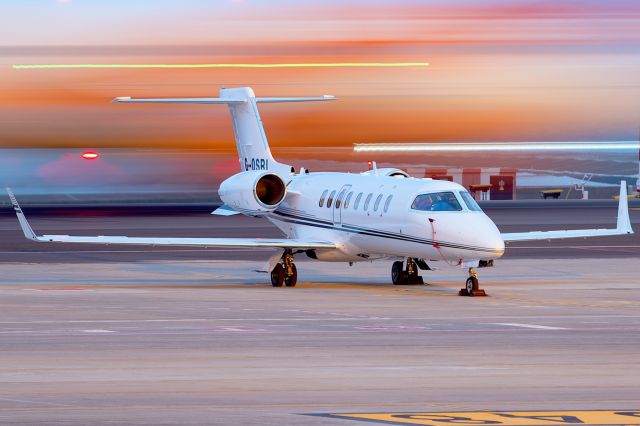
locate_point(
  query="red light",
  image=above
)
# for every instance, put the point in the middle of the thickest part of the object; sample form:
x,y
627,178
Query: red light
x,y
89,155
370,164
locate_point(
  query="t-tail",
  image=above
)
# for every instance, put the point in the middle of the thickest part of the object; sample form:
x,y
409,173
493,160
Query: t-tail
x,y
253,147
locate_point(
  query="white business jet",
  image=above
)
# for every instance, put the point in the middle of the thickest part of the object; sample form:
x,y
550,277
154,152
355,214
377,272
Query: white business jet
x,y
381,213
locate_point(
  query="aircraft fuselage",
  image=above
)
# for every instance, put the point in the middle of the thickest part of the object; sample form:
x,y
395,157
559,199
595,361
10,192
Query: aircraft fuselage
x,y
389,224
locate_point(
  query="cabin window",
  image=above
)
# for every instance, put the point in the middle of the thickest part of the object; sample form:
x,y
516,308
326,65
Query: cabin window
x,y
387,202
436,202
330,200
377,203
470,202
340,197
357,202
347,200
322,197
366,202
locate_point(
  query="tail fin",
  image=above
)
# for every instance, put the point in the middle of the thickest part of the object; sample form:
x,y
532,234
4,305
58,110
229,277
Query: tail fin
x,y
253,148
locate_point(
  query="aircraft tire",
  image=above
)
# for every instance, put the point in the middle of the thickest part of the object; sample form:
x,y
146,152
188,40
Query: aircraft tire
x,y
277,276
292,279
471,283
398,275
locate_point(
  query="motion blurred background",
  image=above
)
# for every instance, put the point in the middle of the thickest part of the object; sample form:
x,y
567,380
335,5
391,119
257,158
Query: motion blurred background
x,y
500,71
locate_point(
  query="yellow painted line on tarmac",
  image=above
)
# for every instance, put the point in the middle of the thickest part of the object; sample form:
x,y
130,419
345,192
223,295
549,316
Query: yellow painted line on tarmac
x,y
500,418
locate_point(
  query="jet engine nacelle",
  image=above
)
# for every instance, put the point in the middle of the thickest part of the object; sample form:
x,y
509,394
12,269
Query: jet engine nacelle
x,y
253,192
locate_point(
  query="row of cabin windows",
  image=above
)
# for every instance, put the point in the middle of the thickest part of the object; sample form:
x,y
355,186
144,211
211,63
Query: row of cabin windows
x,y
437,201
356,204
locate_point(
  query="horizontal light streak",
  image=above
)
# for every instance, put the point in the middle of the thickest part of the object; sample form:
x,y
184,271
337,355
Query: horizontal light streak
x,y
506,146
231,65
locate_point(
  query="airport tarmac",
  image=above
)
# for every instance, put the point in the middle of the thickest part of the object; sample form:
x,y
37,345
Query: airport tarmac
x,y
90,337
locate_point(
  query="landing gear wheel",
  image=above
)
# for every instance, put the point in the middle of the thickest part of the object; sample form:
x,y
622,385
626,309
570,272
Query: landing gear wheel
x,y
471,287
398,275
277,276
292,280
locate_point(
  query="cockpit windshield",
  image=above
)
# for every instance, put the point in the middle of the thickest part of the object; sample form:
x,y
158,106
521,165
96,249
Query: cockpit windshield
x,y
470,202
436,202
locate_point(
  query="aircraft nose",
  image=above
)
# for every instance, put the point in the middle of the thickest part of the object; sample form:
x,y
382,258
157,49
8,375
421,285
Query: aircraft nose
x,y
494,239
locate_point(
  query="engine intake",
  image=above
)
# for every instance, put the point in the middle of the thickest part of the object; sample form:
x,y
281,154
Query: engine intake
x,y
253,192
270,190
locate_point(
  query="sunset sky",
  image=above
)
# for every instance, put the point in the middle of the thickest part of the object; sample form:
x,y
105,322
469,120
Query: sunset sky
x,y
499,70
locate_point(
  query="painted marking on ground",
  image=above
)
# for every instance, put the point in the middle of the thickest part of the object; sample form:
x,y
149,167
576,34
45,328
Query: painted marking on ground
x,y
29,401
501,418
58,289
425,318
98,330
237,329
391,328
535,326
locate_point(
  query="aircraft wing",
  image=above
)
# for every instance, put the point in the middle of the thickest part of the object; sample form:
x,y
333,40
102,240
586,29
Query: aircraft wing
x,y
163,241
623,226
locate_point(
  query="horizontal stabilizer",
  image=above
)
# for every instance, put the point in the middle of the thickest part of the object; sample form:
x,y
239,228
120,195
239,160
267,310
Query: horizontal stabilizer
x,y
216,101
224,210
313,99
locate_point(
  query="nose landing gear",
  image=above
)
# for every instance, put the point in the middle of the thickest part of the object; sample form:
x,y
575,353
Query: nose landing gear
x,y
472,287
285,272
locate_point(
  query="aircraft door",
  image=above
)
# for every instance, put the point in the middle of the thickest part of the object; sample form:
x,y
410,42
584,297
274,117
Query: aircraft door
x,y
338,204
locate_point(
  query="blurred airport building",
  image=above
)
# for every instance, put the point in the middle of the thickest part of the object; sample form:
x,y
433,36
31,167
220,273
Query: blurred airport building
x,y
161,176
485,183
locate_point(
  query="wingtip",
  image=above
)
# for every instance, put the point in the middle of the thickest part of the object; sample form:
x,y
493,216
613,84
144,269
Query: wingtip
x,y
624,221
24,224
12,197
121,99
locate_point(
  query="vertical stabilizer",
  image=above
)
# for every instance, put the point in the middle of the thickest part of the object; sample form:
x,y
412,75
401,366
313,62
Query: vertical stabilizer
x,y
253,148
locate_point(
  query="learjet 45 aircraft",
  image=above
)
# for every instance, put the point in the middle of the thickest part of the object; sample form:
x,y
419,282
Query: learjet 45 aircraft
x,y
381,213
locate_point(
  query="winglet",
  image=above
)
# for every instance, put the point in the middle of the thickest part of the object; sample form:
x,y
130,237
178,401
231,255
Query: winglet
x,y
624,223
26,228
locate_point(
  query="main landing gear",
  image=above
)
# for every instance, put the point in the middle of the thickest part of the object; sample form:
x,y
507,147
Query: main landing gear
x,y
404,276
471,287
285,272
